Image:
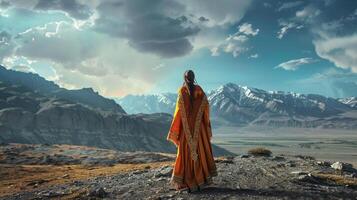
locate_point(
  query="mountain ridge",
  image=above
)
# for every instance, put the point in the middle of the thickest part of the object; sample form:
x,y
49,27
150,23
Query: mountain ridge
x,y
233,104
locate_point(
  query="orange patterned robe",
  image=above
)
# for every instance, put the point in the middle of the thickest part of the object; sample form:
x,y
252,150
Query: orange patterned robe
x,y
191,132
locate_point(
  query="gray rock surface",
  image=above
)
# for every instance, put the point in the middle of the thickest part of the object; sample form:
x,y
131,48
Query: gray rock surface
x,y
242,178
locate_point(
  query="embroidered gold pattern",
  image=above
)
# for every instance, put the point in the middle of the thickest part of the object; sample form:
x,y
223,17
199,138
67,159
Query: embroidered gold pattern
x,y
192,139
170,136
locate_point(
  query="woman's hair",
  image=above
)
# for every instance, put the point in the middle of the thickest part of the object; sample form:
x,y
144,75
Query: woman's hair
x,y
189,78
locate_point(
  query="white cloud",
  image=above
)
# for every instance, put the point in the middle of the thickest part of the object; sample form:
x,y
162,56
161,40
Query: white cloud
x,y
308,13
342,51
247,29
241,38
295,64
286,26
254,56
288,5
236,43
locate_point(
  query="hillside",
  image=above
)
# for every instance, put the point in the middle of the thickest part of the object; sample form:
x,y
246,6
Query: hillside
x,y
34,82
31,116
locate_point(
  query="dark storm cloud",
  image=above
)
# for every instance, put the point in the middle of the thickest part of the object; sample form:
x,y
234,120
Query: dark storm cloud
x,y
4,4
150,26
72,7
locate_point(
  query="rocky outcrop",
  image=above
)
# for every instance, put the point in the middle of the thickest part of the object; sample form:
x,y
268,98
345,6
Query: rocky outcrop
x,y
34,82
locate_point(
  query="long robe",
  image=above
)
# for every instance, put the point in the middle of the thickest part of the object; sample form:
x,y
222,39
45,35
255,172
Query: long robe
x,y
191,132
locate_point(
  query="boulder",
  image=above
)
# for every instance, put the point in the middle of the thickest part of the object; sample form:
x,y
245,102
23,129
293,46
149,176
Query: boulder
x,y
342,166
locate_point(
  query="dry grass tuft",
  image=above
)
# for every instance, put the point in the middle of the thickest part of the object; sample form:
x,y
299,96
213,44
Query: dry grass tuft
x,y
260,151
338,179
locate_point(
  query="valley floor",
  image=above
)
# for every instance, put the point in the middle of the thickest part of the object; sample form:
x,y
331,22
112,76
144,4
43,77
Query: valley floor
x,y
324,144
143,175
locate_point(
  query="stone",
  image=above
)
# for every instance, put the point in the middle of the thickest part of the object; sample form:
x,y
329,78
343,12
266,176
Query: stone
x,y
244,156
323,163
99,192
299,173
165,171
342,166
278,158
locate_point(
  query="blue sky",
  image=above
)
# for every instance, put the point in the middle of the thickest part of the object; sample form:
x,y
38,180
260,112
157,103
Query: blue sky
x,y
122,47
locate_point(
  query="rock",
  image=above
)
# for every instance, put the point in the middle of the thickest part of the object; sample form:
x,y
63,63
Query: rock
x,y
342,166
99,192
308,178
244,156
299,173
323,163
278,158
165,171
353,175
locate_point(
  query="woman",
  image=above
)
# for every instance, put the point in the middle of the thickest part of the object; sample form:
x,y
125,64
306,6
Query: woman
x,y
191,132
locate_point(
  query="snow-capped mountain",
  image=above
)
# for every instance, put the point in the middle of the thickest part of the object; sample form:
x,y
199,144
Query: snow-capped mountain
x,y
241,105
351,101
155,103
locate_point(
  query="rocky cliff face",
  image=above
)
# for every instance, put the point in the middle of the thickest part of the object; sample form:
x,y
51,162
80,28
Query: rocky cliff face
x,y
29,116
86,96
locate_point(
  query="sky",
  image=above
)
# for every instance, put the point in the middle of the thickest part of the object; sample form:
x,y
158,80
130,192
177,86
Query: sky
x,y
121,47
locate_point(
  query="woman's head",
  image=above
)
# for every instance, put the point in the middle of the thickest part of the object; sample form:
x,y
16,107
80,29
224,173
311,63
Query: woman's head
x,y
189,76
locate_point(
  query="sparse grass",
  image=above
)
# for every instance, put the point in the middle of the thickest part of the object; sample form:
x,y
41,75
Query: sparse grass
x,y
16,178
260,151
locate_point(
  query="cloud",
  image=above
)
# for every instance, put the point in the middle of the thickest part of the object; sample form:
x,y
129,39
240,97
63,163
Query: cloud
x,y
72,7
304,17
338,82
7,45
308,13
254,56
340,50
247,29
285,26
235,44
148,26
295,64
288,5
120,50
346,88
23,68
224,12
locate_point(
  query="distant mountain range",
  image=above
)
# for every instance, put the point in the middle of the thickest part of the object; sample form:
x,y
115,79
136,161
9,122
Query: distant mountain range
x,y
36,111
232,104
164,102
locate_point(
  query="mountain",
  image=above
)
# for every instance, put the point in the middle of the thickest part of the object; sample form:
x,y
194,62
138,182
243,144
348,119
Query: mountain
x,y
51,115
350,101
243,105
233,104
85,96
148,103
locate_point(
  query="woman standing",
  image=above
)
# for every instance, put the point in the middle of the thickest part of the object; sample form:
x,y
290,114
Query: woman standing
x,y
191,132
